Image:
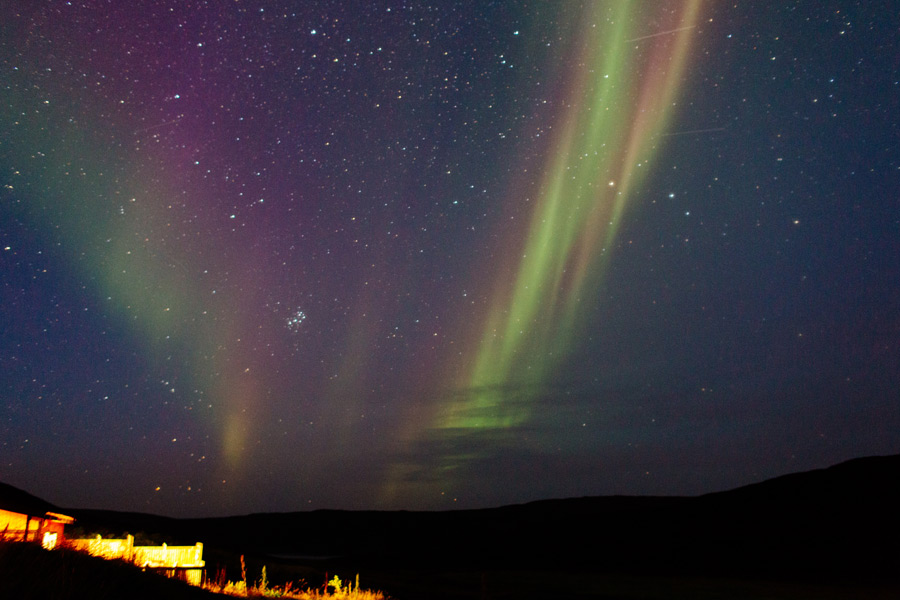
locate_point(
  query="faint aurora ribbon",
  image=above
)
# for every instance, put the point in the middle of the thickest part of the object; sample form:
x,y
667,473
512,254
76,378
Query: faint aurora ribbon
x,y
620,103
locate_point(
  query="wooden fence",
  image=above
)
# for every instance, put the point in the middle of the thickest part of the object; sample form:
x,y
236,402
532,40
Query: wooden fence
x,y
183,562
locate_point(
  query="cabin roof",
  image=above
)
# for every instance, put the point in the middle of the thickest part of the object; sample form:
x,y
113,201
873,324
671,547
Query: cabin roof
x,y
15,500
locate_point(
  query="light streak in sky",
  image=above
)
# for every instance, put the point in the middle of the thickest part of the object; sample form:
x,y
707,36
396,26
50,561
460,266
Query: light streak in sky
x,y
653,35
690,131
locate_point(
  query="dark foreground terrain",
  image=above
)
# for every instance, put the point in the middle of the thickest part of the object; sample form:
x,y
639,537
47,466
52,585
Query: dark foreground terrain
x,y
830,533
29,571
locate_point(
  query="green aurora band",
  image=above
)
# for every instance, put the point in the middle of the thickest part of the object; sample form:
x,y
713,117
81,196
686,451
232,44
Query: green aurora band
x,y
110,214
621,102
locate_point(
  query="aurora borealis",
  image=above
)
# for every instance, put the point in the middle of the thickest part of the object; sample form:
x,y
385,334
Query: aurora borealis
x,y
590,175
279,256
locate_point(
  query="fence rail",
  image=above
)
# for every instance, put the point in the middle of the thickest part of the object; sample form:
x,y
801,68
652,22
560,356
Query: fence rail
x,y
184,562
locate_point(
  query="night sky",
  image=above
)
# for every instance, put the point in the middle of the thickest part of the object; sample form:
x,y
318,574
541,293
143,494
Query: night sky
x,y
274,256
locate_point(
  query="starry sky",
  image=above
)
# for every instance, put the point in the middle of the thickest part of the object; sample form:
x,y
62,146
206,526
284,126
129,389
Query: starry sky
x,y
275,256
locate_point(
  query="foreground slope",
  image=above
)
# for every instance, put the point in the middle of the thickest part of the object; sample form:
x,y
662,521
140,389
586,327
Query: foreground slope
x,y
29,571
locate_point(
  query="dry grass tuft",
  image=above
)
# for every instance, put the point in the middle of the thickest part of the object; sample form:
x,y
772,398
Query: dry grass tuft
x,y
333,590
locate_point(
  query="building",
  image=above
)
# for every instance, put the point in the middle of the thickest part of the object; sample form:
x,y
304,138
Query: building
x,y
26,518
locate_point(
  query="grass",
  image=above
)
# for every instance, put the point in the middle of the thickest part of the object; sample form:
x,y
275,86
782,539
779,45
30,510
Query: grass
x,y
335,589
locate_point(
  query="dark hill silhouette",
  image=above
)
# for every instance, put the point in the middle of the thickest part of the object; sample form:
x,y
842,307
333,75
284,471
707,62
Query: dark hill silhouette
x,y
852,502
839,520
874,477
834,525
16,500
